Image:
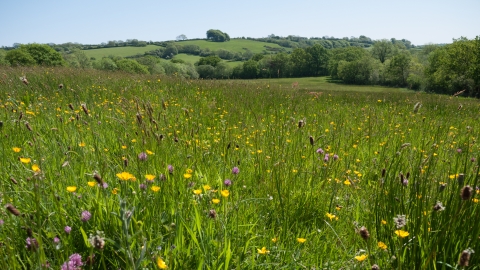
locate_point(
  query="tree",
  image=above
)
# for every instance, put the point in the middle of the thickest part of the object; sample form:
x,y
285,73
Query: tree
x,y
206,71
19,57
41,54
217,36
317,61
382,49
131,66
250,69
182,37
211,60
170,51
398,68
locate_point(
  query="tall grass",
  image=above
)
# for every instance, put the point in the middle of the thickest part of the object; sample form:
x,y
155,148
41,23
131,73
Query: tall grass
x,y
315,181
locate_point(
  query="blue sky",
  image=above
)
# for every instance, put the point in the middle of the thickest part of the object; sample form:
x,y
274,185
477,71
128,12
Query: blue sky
x,y
97,21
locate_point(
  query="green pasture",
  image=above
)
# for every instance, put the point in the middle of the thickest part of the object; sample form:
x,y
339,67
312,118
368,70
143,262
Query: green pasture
x,y
119,51
234,45
108,170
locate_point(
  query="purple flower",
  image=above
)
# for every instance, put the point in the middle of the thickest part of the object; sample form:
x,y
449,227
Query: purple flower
x,y
227,182
473,159
235,170
143,186
326,157
170,169
86,216
142,156
405,182
335,157
68,229
320,151
74,263
32,243
1,222
104,185
459,150
56,240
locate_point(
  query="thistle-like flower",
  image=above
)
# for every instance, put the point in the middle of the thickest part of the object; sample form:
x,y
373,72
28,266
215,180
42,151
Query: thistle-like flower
x,y
465,257
364,233
466,193
400,221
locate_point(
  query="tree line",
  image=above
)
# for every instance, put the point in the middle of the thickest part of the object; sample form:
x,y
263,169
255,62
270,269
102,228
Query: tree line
x,y
445,69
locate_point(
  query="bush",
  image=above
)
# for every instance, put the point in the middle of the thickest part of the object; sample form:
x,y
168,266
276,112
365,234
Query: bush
x,y
131,66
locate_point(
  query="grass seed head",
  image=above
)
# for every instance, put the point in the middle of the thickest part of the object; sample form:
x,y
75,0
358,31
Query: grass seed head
x,y
12,209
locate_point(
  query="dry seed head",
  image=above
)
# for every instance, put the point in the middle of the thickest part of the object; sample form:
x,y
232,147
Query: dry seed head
x,y
28,126
13,180
98,178
364,233
84,108
375,267
12,209
71,107
466,193
465,257
311,140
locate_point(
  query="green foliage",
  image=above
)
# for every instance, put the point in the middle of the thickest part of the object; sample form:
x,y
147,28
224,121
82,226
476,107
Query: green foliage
x,y
3,61
382,49
217,36
212,60
170,51
131,66
44,55
106,64
20,57
250,69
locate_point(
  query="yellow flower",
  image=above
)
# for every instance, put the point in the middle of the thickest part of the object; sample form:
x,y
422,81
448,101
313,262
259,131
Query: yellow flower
x,y
263,251
187,175
189,171
150,177
453,176
382,245
126,176
274,240
124,147
215,201
155,188
134,140
402,233
82,144
91,183
161,264
206,187
330,216
361,257
25,160
197,191
115,191
35,168
16,149
149,152
384,222
225,193
347,182
71,188
301,240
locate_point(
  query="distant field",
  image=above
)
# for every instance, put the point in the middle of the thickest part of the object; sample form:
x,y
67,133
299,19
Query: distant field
x,y
234,45
194,58
119,51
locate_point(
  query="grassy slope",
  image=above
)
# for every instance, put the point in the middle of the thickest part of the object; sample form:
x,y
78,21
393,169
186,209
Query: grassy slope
x,y
120,51
234,45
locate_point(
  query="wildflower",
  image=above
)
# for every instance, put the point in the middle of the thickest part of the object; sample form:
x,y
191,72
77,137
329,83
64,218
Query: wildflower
x,y
330,216
400,221
197,191
149,152
14,211
215,201
74,262
25,160
227,182
170,169
71,188
364,233
67,229
465,257
382,245
91,183
56,240
361,258
459,150
206,187
187,175
347,182
335,157
98,178
235,170
438,207
115,191
161,264
150,177
142,186
86,216
82,144
126,176
274,240
1,222
375,267
466,193
325,159
32,244
142,156
263,251
155,188
212,213
402,233
124,147
225,193
320,151
301,240
16,149
97,241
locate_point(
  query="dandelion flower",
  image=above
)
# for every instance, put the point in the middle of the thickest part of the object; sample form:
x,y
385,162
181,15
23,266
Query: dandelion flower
x,y
150,177
161,264
187,175
155,188
384,222
71,188
347,182
330,216
91,183
274,240
301,240
361,258
402,233
215,201
25,160
35,168
382,245
125,176
206,187
263,251
225,193
16,149
114,191
82,144
197,191
149,152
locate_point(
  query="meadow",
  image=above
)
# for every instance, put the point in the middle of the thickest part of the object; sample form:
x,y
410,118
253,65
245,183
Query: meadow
x,y
108,170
